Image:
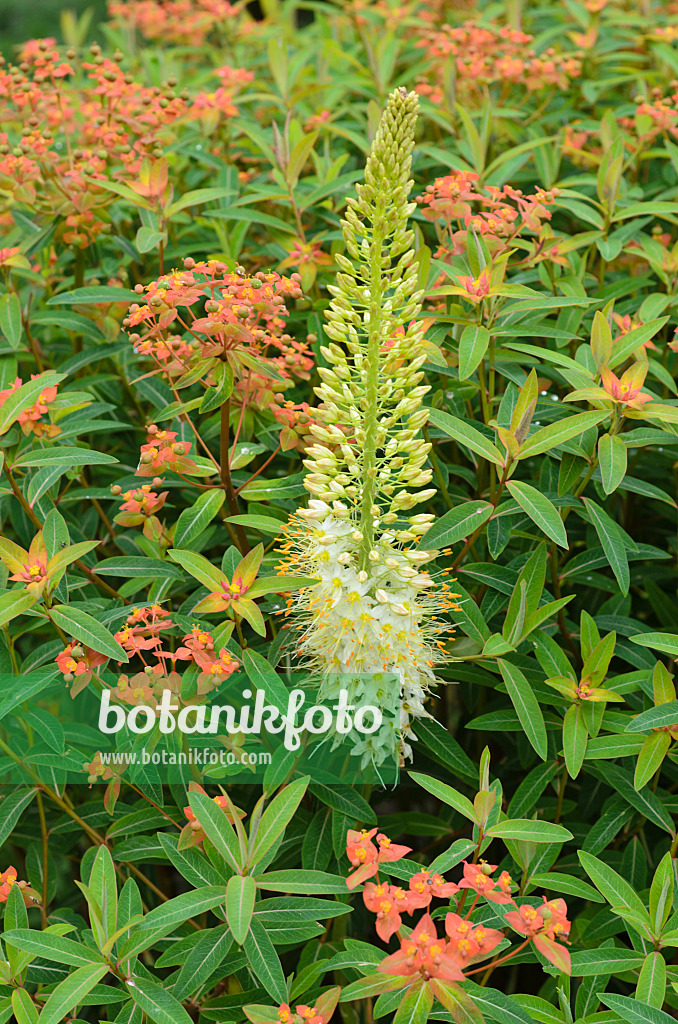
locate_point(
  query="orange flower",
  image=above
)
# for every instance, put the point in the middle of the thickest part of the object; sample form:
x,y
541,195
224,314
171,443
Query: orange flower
x,y
627,389
422,955
477,877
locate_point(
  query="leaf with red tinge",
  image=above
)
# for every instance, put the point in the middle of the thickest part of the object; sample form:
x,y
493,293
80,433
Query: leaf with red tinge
x,y
556,954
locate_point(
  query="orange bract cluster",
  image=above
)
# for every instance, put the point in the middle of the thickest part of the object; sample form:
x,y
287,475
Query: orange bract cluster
x,y
66,133
8,879
30,420
422,952
485,54
239,319
457,203
186,22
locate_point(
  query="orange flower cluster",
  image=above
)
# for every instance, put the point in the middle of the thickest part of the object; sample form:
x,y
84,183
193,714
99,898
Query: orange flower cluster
x,y
485,54
238,317
296,421
210,107
365,857
422,952
183,22
77,664
162,451
30,420
140,506
388,902
457,202
8,878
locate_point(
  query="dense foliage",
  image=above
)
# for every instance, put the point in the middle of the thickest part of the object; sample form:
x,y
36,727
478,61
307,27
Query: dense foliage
x,y
246,346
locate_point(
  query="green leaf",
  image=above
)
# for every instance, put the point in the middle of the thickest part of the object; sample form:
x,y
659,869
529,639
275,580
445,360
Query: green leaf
x,y
473,345
93,295
275,819
14,603
63,455
264,677
575,738
161,920
449,796
646,802
371,985
215,396
207,954
466,435
553,881
613,459
84,627
456,1000
195,519
50,946
445,749
10,318
264,961
218,829
651,988
666,642
263,524
415,1005
71,991
611,542
546,438
498,1006
650,758
241,893
148,239
458,523
280,584
196,197
157,1002
540,510
25,1010
635,1012
310,883
130,566
526,705
661,893
11,808
25,397
70,321
199,567
613,887
590,962
530,831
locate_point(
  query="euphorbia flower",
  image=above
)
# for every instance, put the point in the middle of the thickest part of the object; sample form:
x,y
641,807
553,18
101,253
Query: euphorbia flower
x,y
8,878
626,390
29,567
380,900
364,856
163,451
425,885
477,877
474,289
422,955
468,944
362,853
232,594
389,851
77,662
543,925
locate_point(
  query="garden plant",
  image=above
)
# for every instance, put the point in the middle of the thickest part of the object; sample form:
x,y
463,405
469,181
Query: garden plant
x,y
338,350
